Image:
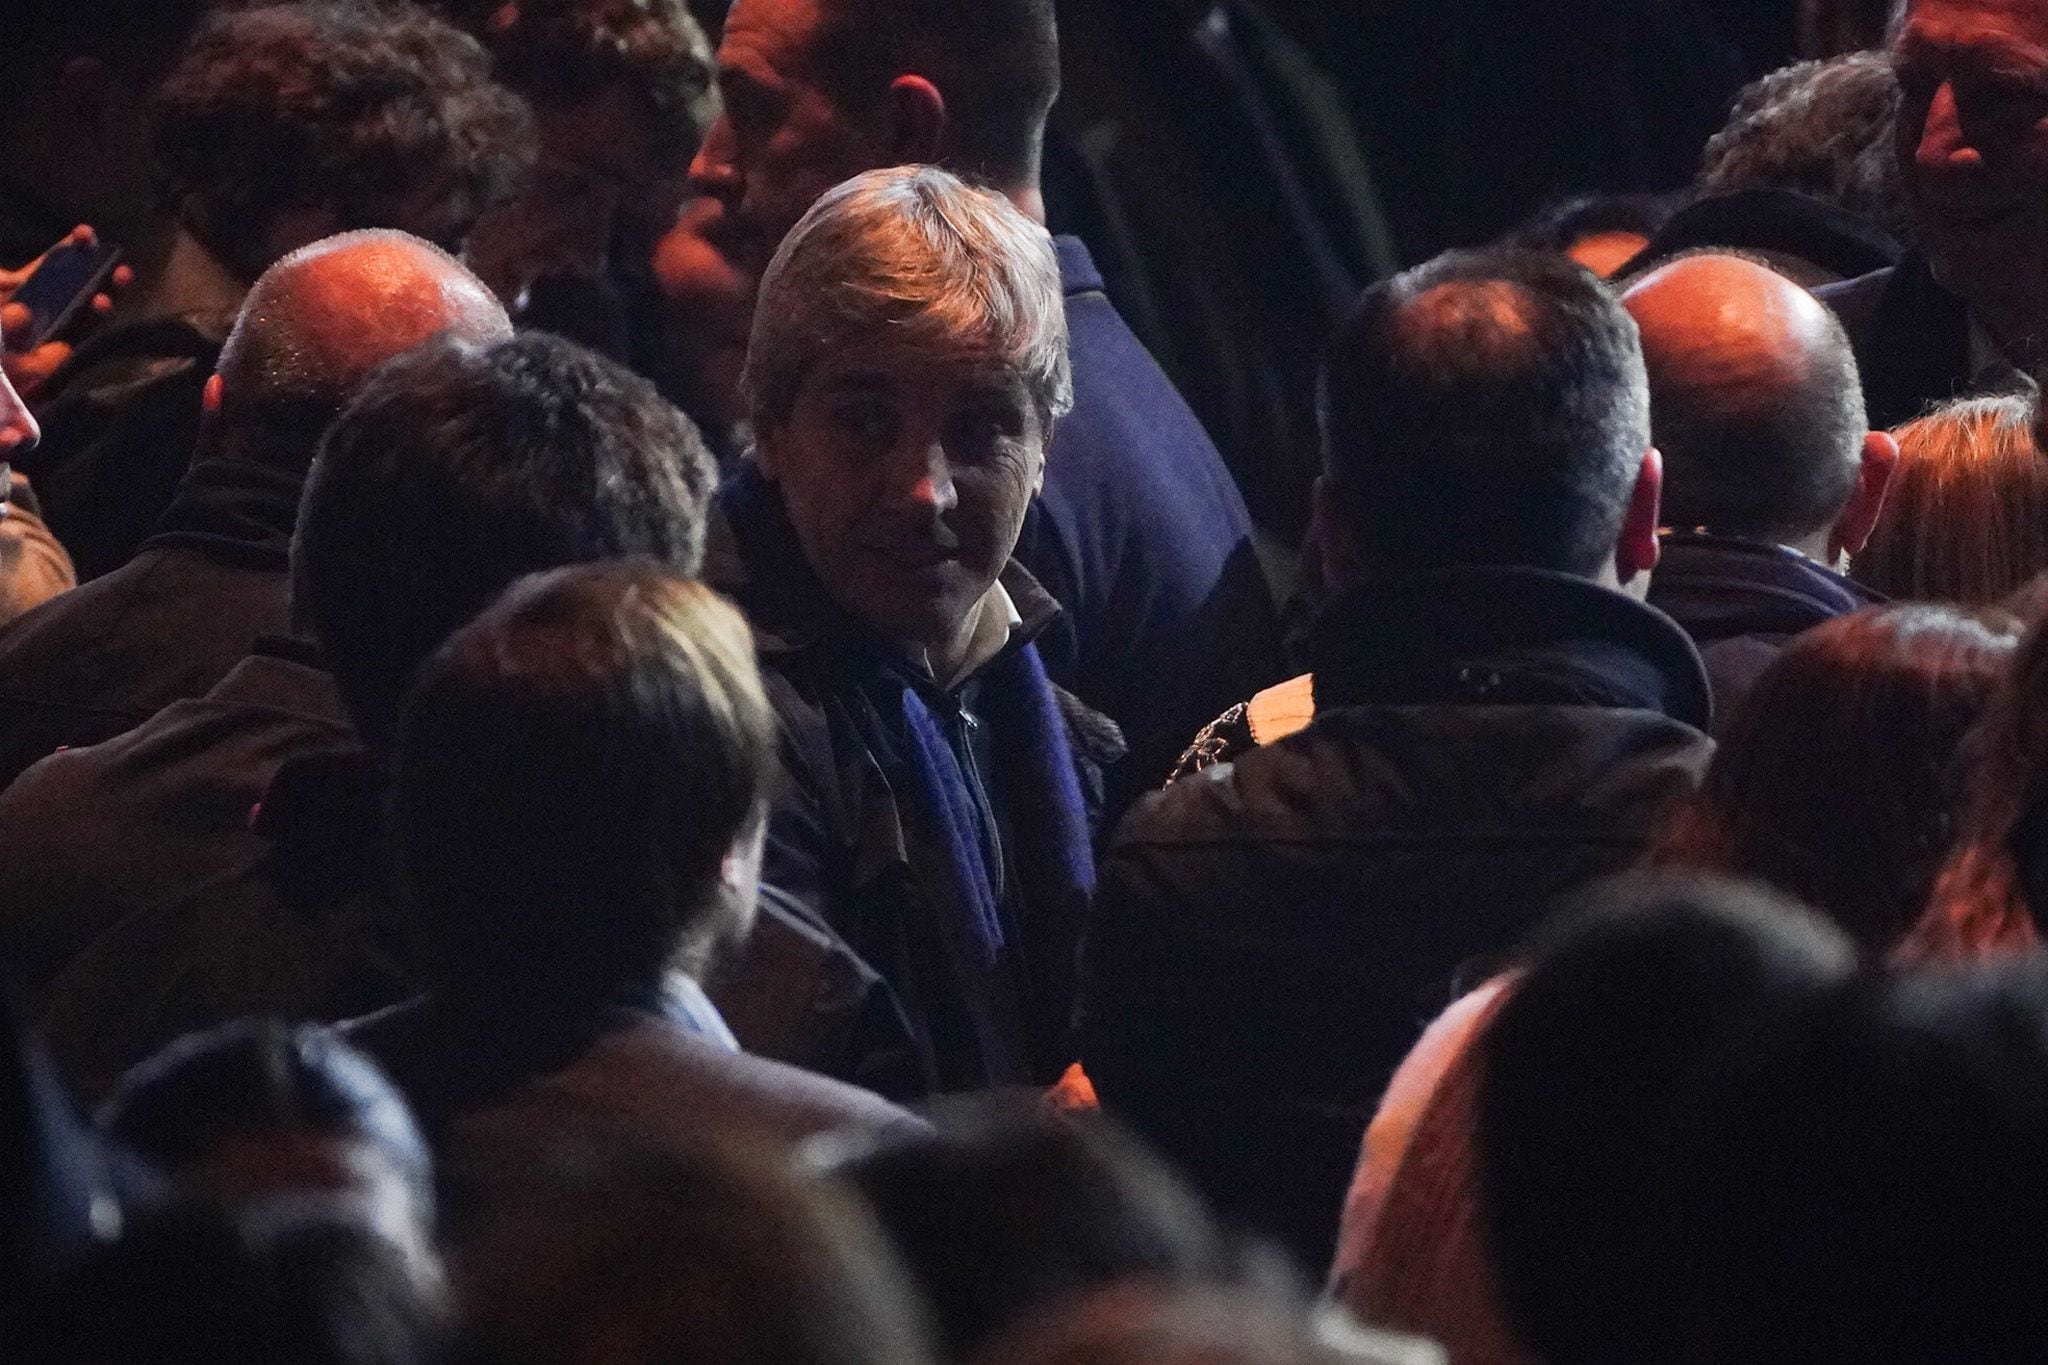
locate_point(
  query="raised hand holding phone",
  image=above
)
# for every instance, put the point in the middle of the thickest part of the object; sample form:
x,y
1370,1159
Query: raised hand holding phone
x,y
43,301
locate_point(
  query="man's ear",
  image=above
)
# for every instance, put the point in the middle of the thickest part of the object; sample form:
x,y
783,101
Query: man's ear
x,y
1636,552
917,121
209,397
1873,481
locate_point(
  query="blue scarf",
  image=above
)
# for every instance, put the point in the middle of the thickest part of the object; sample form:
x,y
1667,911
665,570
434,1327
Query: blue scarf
x,y
1037,784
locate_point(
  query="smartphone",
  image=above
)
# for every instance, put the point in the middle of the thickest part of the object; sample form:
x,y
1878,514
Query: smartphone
x,y
64,282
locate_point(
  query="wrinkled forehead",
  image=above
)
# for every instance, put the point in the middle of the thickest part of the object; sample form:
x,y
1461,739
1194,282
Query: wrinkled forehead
x,y
1998,37
884,363
768,38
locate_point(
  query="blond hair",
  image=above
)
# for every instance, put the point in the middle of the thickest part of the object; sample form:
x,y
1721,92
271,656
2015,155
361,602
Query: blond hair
x,y
1966,518
919,257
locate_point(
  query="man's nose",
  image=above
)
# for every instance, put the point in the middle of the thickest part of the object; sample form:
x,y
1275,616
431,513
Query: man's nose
x,y
1944,144
930,477
715,170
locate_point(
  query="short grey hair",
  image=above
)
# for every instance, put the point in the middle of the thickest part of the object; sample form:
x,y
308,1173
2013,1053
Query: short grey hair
x,y
919,254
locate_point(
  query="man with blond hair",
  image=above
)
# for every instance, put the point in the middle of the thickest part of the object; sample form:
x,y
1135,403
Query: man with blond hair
x,y
908,362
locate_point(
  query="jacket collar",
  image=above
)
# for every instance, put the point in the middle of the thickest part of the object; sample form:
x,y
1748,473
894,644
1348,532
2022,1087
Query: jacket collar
x,y
1722,586
1504,635
1078,272
238,509
753,556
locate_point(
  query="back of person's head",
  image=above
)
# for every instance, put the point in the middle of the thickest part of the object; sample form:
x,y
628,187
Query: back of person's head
x,y
563,55
315,324
1485,408
996,63
1861,1179
1838,779
1991,896
285,123
1755,401
306,1283
584,1245
1583,1069
1823,129
573,777
1006,1210
259,1108
1148,1324
457,469
1966,519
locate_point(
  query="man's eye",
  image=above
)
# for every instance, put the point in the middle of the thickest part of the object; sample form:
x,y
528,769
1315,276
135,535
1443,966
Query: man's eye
x,y
984,428
868,423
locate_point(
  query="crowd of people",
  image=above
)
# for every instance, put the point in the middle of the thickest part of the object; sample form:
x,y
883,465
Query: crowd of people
x,y
637,725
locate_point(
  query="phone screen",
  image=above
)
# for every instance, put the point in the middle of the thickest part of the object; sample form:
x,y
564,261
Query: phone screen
x,y
65,282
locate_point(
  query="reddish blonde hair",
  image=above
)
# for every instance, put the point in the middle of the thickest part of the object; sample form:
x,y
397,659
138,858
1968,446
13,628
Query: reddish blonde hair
x,y
1966,519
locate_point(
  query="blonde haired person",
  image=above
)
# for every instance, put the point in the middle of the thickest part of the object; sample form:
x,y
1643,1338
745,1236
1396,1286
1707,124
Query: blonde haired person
x,y
1966,518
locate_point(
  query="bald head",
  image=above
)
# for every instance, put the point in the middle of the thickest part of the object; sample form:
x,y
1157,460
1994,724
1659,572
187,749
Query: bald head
x,y
321,319
1754,399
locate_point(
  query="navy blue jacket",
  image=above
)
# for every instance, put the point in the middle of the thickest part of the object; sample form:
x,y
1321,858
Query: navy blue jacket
x,y
1912,340
1742,602
1144,541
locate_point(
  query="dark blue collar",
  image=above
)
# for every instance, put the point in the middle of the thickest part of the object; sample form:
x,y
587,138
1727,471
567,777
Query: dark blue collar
x,y
1504,635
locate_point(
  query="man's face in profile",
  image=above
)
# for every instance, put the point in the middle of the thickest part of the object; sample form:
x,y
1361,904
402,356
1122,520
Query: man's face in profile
x,y
1973,146
782,139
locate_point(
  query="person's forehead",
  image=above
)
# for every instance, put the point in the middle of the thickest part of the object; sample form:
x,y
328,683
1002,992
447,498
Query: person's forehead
x,y
1996,33
908,367
771,37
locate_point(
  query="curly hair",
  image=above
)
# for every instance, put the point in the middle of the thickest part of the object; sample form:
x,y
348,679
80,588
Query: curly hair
x,y
561,53
382,113
1823,129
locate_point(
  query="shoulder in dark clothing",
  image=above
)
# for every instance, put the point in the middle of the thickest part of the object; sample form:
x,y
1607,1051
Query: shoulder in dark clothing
x,y
1743,601
164,627
634,1067
1912,341
1481,745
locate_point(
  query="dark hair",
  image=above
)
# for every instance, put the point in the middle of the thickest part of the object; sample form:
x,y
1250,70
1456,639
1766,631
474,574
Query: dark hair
x,y
299,1283
1006,1210
1823,129
1966,516
571,772
1773,461
1486,408
583,1244
564,53
996,61
382,113
259,1077
1837,780
457,469
1862,1178
1584,1069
